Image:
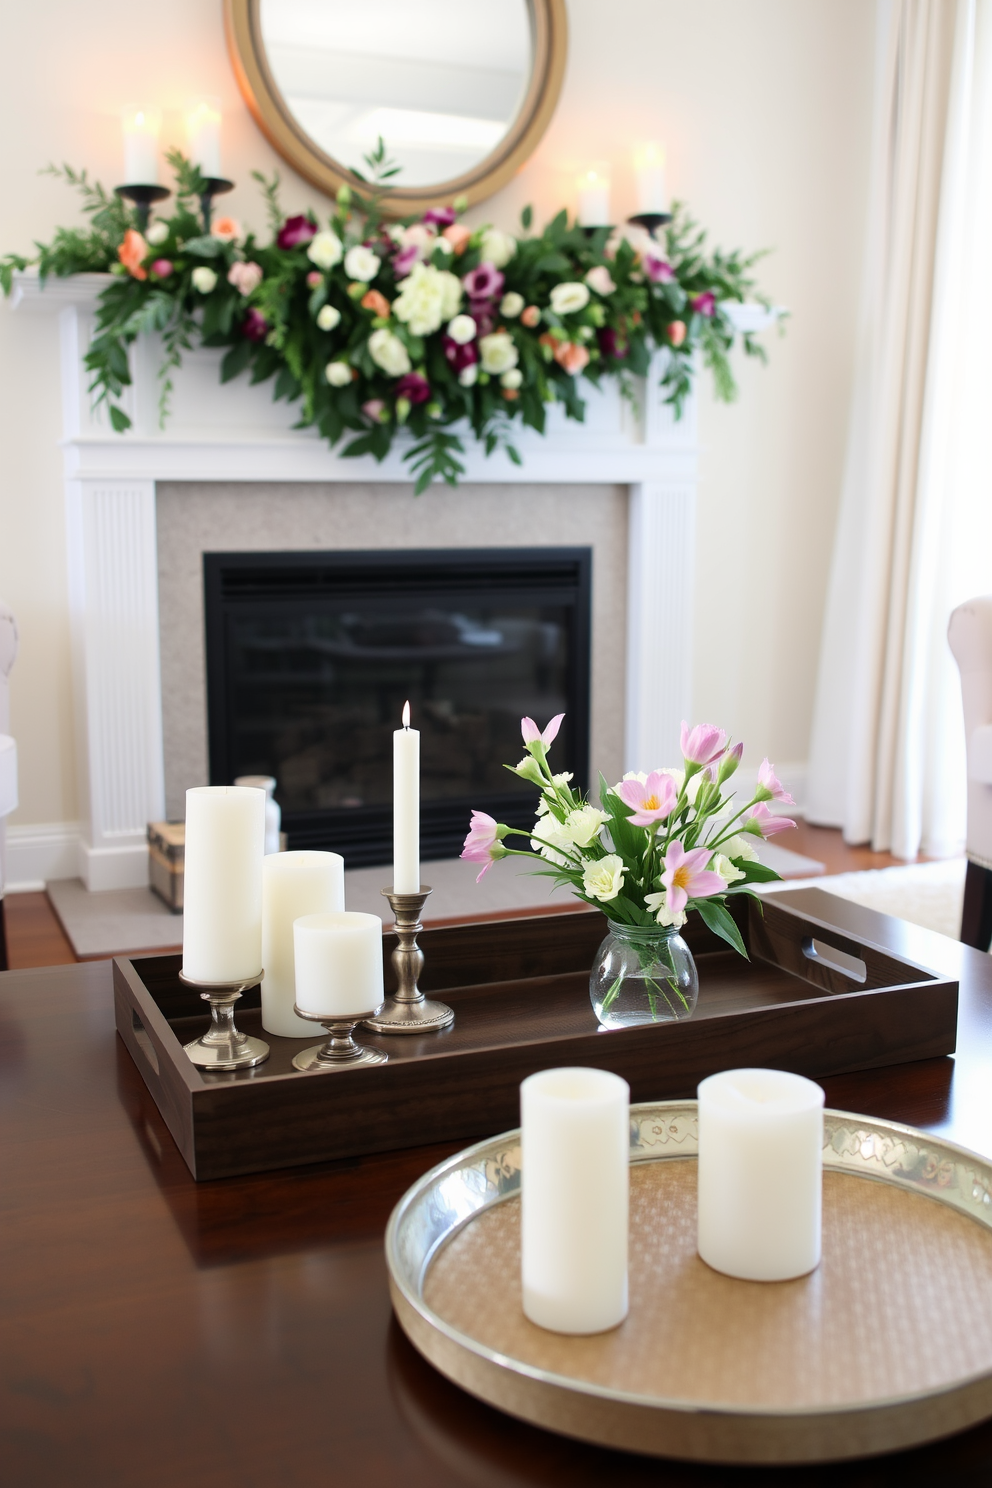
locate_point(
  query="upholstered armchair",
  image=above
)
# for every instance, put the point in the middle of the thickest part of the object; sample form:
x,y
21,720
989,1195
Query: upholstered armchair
x,y
8,754
970,636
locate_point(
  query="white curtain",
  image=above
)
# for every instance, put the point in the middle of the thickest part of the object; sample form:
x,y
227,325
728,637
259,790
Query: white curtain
x,y
915,528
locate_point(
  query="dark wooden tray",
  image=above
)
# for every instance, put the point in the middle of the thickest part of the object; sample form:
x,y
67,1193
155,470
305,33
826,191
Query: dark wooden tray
x,y
520,990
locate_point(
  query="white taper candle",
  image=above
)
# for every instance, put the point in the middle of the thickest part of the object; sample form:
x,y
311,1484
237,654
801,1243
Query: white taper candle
x,y
406,807
222,890
294,884
760,1173
575,1182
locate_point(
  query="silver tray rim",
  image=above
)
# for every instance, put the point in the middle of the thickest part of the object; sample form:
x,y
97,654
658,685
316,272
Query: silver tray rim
x,y
455,1191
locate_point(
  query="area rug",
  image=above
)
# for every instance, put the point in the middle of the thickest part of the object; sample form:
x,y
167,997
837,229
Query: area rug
x,y
926,894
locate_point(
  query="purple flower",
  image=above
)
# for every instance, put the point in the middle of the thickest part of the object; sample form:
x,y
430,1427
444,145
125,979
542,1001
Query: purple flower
x,y
483,312
414,388
459,356
484,283
255,326
294,231
404,261
612,343
440,216
704,304
657,270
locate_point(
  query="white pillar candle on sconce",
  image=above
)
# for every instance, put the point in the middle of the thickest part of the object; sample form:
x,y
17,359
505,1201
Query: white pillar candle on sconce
x,y
594,196
649,173
222,890
141,130
339,964
294,884
203,118
574,1194
760,1174
406,807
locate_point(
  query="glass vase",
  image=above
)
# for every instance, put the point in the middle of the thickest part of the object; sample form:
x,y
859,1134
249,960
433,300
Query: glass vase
x,y
643,974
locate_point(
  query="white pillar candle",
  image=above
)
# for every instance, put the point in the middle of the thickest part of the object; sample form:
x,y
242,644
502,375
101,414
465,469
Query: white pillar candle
x,y
574,1184
760,1174
594,196
406,807
203,135
141,129
339,964
649,173
222,916
294,884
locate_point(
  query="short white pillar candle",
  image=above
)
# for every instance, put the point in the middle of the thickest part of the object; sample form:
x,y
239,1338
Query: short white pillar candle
x,y
760,1174
339,964
141,130
294,884
222,890
574,1186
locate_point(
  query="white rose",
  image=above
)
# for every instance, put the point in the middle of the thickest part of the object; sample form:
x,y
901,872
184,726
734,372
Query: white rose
x,y
512,379
584,823
469,376
451,288
726,869
569,297
338,374
549,835
599,280
325,250
389,353
603,880
328,316
498,353
157,233
462,329
512,304
738,848
361,263
203,279
427,299
663,914
497,247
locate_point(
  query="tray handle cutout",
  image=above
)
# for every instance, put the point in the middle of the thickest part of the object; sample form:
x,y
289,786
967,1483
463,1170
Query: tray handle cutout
x,y
835,960
143,1042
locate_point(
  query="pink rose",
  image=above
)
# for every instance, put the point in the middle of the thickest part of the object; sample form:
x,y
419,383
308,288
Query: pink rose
x,y
458,236
162,268
246,277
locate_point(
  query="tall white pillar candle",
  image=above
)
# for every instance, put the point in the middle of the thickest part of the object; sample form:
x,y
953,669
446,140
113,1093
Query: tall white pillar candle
x,y
406,807
222,891
575,1183
649,173
339,964
141,129
760,1174
294,884
203,137
594,196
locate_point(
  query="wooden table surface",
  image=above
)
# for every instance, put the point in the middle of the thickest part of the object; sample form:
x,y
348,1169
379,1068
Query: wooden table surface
x,y
157,1332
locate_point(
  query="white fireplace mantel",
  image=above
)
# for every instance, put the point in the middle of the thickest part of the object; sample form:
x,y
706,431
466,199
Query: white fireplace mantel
x,y
236,432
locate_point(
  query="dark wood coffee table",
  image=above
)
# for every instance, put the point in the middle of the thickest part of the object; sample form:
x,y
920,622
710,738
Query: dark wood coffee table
x,y
164,1334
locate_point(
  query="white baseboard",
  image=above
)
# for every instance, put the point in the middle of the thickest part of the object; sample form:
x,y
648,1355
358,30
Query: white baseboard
x,y
46,850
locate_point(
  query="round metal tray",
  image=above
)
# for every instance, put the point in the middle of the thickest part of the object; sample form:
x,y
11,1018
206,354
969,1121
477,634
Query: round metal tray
x,y
886,1345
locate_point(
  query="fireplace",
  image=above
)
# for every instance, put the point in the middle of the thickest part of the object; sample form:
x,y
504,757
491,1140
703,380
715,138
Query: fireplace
x,y
311,655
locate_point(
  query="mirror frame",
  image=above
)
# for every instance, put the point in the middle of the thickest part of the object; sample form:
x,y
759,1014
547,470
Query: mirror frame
x,y
549,26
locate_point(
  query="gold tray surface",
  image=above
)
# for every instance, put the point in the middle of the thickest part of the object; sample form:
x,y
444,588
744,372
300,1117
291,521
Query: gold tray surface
x,y
887,1344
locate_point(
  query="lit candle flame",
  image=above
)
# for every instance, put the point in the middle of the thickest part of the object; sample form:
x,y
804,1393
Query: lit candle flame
x,y
406,714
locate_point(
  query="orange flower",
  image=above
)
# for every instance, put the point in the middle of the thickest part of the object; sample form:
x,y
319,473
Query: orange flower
x,y
226,228
530,316
377,303
457,235
510,394
676,332
131,253
572,357
548,339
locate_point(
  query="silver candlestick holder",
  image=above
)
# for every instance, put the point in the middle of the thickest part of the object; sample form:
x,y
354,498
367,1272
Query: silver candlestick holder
x,y
408,1010
223,1046
340,1051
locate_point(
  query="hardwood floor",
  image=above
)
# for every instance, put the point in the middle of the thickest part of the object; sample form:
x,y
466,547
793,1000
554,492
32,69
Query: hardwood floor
x,y
35,937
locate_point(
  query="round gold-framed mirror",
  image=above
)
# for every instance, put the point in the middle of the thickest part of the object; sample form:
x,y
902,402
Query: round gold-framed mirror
x,y
460,90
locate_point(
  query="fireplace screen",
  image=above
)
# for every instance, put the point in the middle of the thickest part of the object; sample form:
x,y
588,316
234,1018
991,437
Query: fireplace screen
x,y
310,657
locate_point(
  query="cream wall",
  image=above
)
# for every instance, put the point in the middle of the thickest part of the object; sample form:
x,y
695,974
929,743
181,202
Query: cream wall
x,y
764,107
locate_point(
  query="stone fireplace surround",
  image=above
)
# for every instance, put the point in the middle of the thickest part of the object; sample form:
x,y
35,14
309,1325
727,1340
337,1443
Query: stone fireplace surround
x,y
228,473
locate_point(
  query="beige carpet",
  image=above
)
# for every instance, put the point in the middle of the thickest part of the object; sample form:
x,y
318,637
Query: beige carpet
x,y
926,894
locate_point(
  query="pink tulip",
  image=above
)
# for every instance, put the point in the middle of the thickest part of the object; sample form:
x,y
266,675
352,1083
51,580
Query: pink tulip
x,y
770,782
652,801
703,744
687,877
729,763
481,842
763,823
531,734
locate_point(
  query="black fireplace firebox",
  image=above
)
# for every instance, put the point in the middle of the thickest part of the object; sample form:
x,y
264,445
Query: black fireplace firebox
x,y
310,657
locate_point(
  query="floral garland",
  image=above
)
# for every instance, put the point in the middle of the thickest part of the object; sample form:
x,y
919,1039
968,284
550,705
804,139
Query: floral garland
x,y
423,325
